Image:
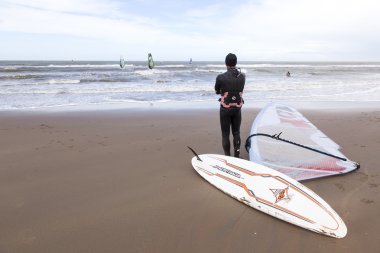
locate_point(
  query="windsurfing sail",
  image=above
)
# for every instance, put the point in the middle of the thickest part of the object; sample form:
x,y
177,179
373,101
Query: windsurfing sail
x,y
150,61
191,61
122,62
283,139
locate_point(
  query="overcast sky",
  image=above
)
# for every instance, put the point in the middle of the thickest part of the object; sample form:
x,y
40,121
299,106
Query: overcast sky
x,y
257,30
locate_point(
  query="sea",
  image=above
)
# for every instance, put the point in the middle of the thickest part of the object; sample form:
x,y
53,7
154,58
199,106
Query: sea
x,y
41,85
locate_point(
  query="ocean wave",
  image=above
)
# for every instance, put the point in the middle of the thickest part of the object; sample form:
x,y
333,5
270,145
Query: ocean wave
x,y
149,72
166,89
63,81
83,66
157,89
63,92
8,70
36,83
259,65
210,70
292,65
374,91
268,65
352,66
117,80
172,66
27,92
216,65
264,70
142,100
20,77
31,67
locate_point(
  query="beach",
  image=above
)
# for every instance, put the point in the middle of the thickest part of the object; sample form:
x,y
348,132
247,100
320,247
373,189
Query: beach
x,y
121,181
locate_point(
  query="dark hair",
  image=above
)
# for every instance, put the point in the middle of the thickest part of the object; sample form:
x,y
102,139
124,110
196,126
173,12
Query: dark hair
x,y
231,60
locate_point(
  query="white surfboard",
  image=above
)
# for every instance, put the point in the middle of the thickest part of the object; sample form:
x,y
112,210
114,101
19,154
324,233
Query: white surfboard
x,y
271,192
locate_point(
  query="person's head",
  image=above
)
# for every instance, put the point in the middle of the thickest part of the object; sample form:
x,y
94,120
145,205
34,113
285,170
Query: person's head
x,y
231,60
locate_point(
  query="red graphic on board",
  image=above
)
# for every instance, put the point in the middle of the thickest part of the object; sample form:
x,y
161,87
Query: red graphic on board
x,y
280,194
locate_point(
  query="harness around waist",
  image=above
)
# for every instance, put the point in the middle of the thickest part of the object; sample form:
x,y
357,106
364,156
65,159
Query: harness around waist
x,y
232,99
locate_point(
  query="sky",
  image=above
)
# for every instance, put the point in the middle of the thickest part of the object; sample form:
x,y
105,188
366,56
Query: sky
x,y
177,30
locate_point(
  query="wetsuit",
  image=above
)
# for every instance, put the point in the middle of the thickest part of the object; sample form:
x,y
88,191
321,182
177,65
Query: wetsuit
x,y
230,86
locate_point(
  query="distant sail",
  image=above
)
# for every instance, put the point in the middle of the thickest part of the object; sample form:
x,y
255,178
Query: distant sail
x,y
283,139
122,62
191,61
150,61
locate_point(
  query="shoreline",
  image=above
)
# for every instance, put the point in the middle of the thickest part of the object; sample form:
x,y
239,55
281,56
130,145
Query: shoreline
x,y
121,180
205,105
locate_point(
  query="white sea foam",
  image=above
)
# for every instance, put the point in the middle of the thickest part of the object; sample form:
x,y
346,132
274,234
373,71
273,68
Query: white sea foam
x,y
216,65
149,72
210,70
288,65
42,84
68,81
171,66
82,66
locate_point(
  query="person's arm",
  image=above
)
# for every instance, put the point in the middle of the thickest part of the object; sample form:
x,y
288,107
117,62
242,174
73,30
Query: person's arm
x,y
243,81
218,85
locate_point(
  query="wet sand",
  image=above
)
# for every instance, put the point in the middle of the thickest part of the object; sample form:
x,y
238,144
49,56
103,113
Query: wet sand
x,y
122,181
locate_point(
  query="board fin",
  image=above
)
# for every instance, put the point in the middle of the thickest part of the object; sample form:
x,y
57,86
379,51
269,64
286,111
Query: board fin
x,y
192,150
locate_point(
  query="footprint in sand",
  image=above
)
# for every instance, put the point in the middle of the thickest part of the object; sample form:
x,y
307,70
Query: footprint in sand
x,y
44,126
340,186
367,201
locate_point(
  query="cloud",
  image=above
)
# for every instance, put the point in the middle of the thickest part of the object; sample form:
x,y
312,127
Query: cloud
x,y
315,28
257,30
110,27
94,7
207,12
74,18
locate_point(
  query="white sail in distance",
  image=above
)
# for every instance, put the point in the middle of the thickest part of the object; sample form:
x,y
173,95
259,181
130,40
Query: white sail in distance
x,y
122,62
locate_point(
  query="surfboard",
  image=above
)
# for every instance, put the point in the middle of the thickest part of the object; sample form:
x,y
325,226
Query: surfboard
x,y
283,139
271,192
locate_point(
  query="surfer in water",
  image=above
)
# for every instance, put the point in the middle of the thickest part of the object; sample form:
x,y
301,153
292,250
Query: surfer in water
x,y
230,86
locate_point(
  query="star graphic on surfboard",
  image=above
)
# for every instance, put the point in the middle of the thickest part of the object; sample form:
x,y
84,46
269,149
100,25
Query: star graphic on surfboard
x,y
281,194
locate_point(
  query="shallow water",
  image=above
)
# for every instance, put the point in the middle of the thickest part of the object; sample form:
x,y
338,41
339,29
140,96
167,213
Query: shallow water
x,y
46,84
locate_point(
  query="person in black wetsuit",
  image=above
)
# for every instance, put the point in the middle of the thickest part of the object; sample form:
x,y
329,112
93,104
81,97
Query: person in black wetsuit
x,y
230,86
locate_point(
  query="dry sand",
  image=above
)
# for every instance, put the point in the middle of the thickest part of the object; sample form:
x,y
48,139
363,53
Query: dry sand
x,y
122,181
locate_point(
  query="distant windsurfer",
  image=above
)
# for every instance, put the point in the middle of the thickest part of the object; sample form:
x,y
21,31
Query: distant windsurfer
x,y
230,86
288,74
150,61
122,62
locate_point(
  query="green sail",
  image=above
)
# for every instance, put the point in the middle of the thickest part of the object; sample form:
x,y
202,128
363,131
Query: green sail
x,y
150,61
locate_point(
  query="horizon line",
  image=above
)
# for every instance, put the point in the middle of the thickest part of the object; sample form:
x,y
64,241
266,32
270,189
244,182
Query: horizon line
x,y
241,61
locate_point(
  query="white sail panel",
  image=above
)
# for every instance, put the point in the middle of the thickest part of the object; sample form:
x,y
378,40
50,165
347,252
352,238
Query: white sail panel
x,y
286,141
122,62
